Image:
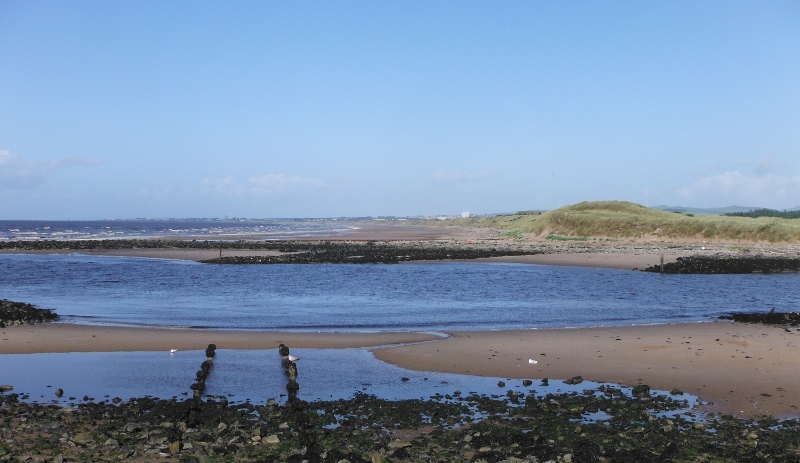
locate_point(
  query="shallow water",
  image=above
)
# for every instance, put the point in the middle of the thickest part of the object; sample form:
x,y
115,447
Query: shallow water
x,y
247,375
377,297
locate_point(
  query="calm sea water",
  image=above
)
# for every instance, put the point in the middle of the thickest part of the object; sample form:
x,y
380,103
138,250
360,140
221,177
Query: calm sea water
x,y
414,296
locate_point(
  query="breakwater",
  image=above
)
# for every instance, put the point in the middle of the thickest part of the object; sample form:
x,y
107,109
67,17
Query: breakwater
x,y
728,264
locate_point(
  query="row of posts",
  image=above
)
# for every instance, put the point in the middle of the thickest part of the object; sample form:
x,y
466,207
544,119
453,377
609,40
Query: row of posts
x,y
205,368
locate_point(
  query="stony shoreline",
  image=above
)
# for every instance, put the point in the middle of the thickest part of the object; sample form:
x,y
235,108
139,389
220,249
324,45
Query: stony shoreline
x,y
676,257
597,425
728,264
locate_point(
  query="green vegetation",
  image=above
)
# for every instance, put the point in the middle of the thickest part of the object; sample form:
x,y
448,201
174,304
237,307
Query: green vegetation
x,y
766,213
622,219
566,238
515,234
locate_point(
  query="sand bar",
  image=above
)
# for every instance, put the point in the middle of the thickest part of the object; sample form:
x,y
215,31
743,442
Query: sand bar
x,y
65,337
746,370
616,260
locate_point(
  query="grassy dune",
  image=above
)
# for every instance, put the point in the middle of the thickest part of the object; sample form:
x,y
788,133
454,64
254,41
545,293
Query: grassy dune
x,y
622,219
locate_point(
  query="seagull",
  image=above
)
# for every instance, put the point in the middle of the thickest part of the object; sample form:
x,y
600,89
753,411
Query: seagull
x,y
172,351
292,358
532,361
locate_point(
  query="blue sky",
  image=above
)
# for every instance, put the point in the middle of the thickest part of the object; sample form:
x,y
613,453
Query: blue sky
x,y
325,109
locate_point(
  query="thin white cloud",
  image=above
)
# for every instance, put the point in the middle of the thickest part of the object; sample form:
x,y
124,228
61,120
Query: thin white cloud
x,y
442,175
258,186
280,181
768,190
17,172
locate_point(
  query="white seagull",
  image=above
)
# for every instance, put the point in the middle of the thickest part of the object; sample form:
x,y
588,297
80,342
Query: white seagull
x,y
172,351
532,361
292,358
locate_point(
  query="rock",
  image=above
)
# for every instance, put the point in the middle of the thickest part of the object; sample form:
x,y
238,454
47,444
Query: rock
x,y
574,380
6,388
83,438
527,382
545,382
501,384
272,439
398,444
59,392
641,390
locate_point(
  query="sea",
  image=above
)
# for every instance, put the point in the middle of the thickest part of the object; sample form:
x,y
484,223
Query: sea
x,y
428,297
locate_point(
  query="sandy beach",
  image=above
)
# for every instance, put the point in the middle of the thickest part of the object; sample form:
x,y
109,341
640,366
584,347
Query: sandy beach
x,y
740,369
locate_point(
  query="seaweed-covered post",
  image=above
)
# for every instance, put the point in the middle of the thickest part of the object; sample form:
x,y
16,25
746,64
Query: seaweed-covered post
x,y
290,368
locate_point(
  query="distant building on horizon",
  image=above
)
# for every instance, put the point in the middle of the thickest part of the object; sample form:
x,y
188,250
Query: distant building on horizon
x,y
465,215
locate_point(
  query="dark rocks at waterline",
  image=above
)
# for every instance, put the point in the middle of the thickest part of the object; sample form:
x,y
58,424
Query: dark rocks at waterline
x,y
728,265
374,253
555,427
766,318
302,251
21,313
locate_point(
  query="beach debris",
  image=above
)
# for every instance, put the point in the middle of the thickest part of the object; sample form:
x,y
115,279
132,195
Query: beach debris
x,y
532,361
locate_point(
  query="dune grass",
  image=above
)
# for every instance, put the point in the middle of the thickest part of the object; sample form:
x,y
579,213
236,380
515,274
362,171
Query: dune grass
x,y
622,219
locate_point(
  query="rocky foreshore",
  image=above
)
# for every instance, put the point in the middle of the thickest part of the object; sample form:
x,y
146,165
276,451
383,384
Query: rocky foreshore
x,y
597,425
785,319
729,264
378,252
21,313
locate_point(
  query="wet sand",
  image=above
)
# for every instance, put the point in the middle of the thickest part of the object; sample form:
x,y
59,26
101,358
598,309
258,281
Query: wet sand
x,y
64,337
746,370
